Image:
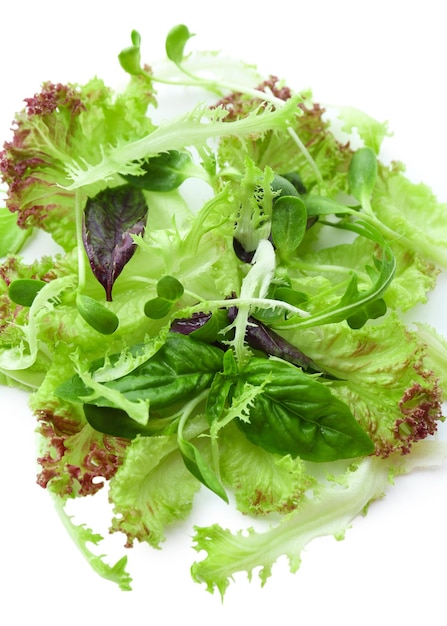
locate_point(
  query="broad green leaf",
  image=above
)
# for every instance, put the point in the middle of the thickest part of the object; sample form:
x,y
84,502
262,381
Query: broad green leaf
x,y
218,396
298,415
115,422
181,368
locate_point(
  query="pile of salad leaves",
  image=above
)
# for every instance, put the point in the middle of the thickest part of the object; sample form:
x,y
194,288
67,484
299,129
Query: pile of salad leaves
x,y
251,343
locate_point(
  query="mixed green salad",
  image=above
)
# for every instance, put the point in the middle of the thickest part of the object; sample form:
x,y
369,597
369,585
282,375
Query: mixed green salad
x,y
246,338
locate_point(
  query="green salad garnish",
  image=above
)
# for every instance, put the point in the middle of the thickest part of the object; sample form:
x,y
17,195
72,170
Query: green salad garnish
x,y
242,334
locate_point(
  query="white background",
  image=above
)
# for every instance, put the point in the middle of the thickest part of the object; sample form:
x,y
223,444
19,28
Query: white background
x,y
387,58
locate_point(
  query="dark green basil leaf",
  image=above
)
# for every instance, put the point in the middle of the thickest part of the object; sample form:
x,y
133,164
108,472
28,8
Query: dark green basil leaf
x,y
298,415
164,172
115,422
217,396
181,368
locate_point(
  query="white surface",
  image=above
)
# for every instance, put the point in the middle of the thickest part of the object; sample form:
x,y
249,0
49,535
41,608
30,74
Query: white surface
x,y
387,58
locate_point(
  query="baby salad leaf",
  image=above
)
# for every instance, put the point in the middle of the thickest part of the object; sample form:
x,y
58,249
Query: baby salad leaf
x,y
298,415
23,290
169,290
111,218
289,223
176,41
130,58
97,315
115,422
362,174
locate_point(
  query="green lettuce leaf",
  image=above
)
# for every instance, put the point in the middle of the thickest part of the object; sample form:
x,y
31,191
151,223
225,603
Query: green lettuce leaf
x,y
413,213
384,377
151,490
343,496
262,482
12,237
61,123
84,537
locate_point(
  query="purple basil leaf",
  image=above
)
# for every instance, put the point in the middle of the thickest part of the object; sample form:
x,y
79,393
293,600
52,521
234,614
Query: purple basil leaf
x,y
110,218
187,325
261,337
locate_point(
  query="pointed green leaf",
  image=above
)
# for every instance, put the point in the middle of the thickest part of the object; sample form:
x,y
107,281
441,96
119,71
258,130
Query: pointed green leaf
x,y
298,415
198,466
362,174
289,223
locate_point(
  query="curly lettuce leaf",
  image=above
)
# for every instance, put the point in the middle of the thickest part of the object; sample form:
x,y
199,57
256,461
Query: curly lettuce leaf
x,y
74,459
12,237
83,537
384,377
61,123
413,279
151,490
279,151
370,130
194,129
21,357
413,213
339,499
262,482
